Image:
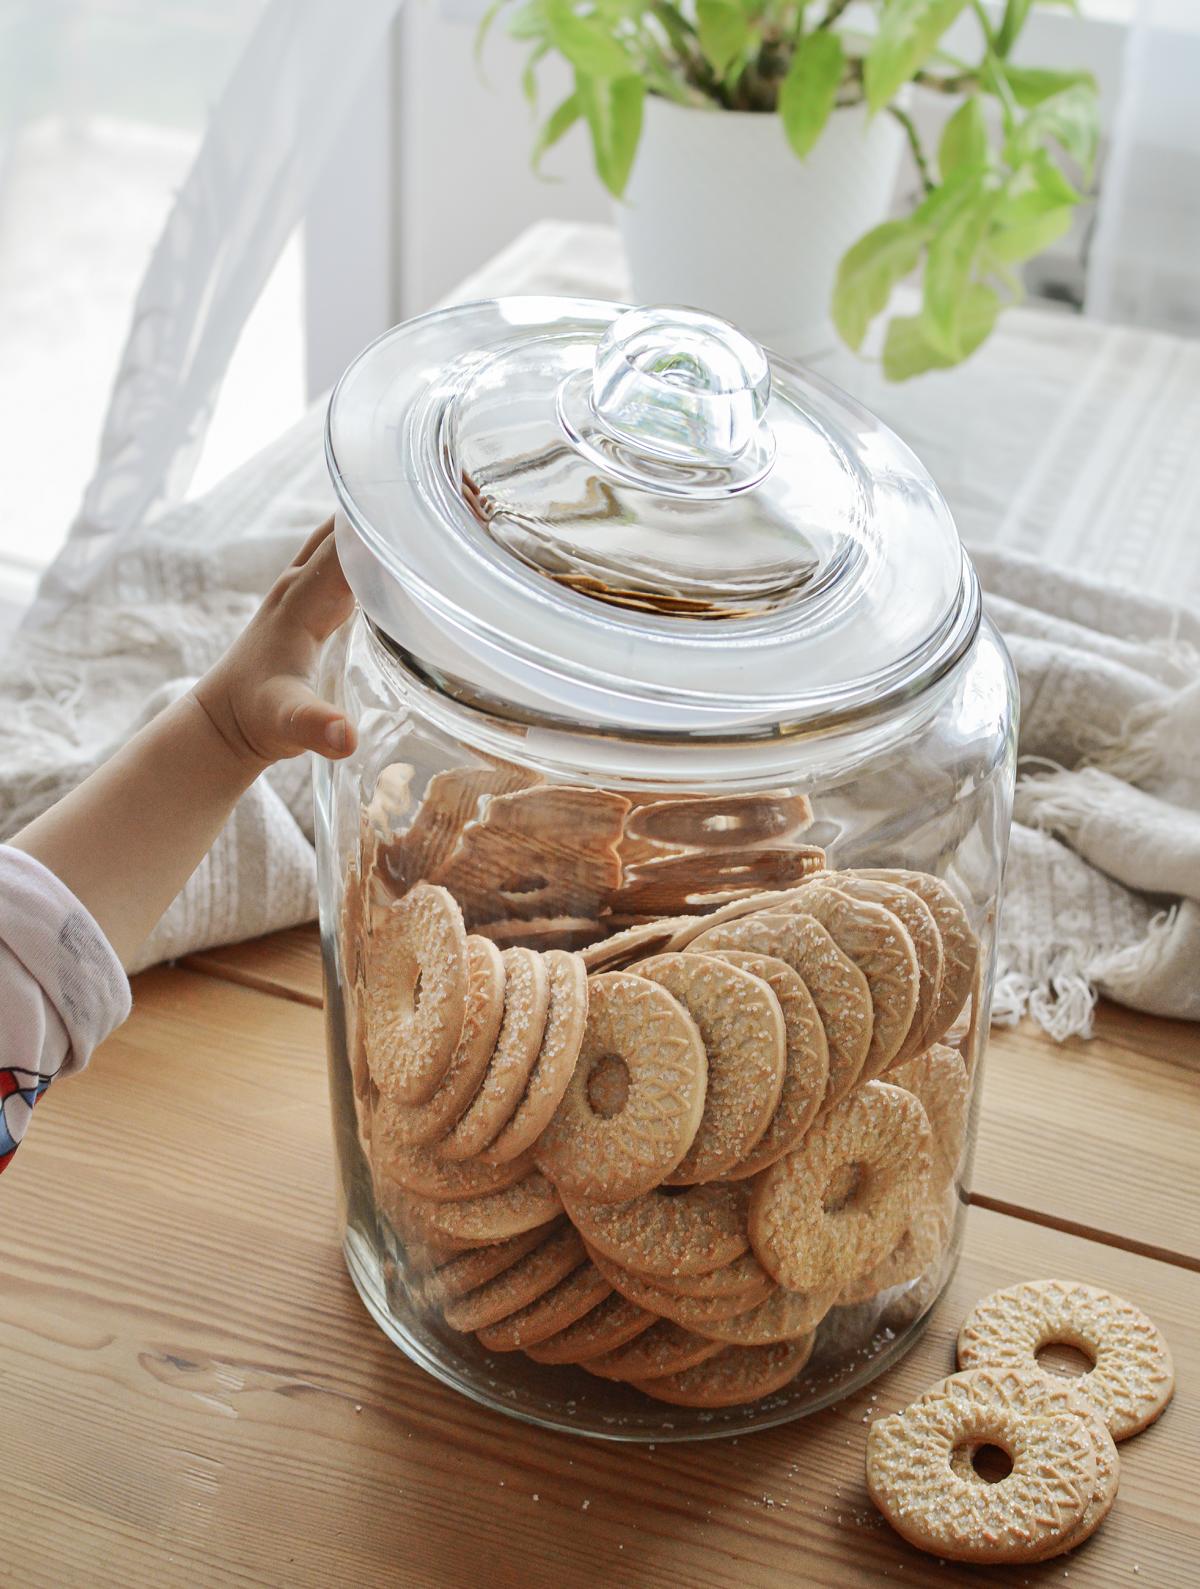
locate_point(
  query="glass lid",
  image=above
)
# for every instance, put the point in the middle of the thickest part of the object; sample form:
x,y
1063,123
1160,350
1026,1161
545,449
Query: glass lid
x,y
637,518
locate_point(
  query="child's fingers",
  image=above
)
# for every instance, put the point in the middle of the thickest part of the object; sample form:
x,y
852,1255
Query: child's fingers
x,y
300,720
321,533
318,598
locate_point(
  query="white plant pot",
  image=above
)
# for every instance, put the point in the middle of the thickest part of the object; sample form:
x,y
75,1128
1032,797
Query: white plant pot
x,y
720,214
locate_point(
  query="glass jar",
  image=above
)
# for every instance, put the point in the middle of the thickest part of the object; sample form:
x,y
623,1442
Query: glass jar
x,y
658,901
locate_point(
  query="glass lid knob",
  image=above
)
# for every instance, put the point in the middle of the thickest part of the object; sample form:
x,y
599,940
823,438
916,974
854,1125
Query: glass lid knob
x,y
681,385
675,402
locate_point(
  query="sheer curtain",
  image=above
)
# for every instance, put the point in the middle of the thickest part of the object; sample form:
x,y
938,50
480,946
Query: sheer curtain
x,y
264,149
1144,264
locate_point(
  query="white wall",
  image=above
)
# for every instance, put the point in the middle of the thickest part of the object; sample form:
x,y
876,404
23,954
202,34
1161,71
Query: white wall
x,y
463,145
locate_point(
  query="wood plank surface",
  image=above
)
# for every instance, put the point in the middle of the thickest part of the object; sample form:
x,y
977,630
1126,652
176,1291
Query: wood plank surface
x,y
194,1394
1051,1115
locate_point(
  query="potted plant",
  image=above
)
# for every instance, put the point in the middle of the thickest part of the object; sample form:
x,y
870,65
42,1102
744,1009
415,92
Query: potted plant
x,y
756,145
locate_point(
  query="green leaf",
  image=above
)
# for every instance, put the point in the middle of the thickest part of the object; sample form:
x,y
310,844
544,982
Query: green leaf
x,y
1027,222
586,42
529,85
724,31
907,352
679,31
808,92
1015,12
867,273
1032,84
560,121
485,27
964,139
613,109
948,270
1069,119
529,22
908,34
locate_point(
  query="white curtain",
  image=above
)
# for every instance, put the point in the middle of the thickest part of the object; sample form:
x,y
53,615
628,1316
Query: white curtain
x,y
1144,264
266,142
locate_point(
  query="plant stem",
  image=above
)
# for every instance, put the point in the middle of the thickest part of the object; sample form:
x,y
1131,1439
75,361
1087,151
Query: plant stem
x,y
914,143
964,83
836,7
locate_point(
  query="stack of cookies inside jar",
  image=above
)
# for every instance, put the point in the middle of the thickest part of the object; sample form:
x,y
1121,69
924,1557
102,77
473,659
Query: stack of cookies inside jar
x,y
646,1084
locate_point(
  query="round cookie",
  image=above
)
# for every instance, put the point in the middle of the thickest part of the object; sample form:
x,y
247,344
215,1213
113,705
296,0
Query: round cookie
x,y
568,1301
838,988
880,947
420,1124
692,1312
770,901
911,1481
917,920
421,1171
1039,1396
744,1281
1133,1378
832,1208
806,1067
736,1375
938,1078
663,1234
608,1326
720,822
494,1217
478,1265
416,992
919,1250
783,1316
519,1284
561,1039
632,943
643,1058
526,1001
664,1348
960,949
741,1026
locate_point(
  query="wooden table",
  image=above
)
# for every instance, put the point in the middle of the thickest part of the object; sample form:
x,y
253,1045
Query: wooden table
x,y
193,1394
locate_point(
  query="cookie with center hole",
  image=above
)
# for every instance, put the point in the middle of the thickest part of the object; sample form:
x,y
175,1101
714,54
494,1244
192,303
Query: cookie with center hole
x,y
917,920
1132,1378
806,1060
492,1217
693,1312
782,1316
1043,1499
397,1124
664,1348
609,1325
938,1078
960,947
719,822
518,1284
634,1101
833,1207
741,1025
919,1251
419,1170
526,1005
736,1375
1039,1396
634,943
838,988
666,1233
562,1037
879,945
477,1265
582,1290
415,992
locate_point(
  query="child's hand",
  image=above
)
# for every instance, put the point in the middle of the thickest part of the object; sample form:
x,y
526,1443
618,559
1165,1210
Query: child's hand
x,y
258,696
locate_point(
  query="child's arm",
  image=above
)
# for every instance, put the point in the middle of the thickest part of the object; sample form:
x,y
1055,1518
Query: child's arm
x,y
128,838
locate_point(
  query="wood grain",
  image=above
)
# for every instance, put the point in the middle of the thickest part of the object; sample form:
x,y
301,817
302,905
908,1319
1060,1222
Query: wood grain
x,y
194,1394
1050,1115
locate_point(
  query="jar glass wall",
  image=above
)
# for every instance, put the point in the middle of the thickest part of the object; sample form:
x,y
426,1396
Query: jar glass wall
x,y
795,1278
